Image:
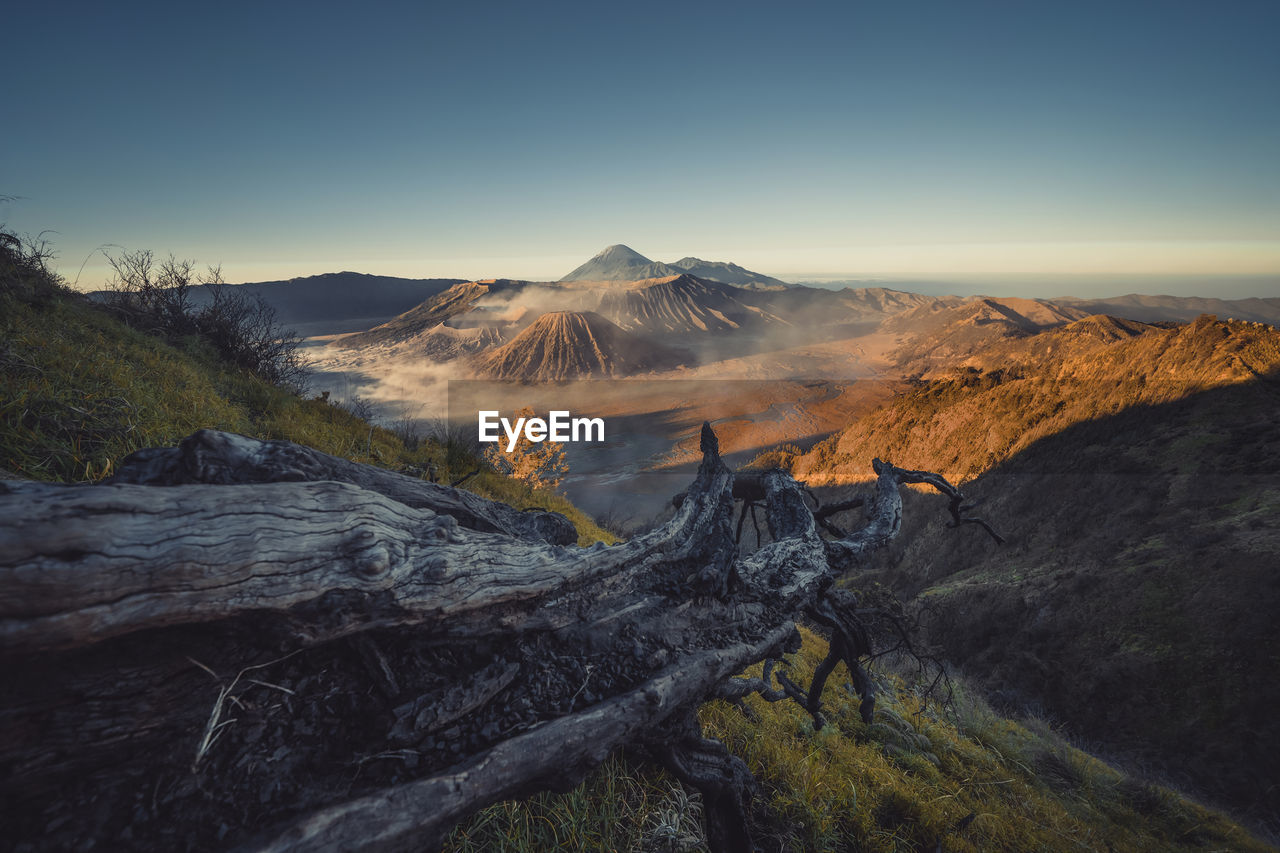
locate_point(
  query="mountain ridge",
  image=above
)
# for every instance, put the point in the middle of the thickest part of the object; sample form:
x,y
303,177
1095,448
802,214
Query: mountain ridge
x,y
1155,307
1042,383
685,303
455,301
622,263
328,303
1132,469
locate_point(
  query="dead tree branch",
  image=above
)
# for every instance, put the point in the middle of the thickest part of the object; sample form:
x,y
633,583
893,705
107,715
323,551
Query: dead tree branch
x,y
421,651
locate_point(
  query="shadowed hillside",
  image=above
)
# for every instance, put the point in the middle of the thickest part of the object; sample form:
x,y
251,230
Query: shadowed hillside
x,y
1135,599
1134,470
922,777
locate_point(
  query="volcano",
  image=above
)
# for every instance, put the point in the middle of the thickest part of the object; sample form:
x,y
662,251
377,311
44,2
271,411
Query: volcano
x,y
454,302
620,263
575,345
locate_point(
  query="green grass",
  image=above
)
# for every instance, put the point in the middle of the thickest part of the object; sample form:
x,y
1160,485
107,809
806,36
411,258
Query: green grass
x,y
919,776
79,391
910,779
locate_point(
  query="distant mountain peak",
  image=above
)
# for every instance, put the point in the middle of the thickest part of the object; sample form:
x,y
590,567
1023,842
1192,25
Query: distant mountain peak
x,y
620,252
622,263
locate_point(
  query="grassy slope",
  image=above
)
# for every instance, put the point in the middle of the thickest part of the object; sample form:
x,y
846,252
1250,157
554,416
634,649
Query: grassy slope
x,y
1134,470
1135,600
80,391
879,790
919,776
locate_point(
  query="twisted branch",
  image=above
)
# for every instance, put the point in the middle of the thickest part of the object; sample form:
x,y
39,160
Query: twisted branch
x,y
416,621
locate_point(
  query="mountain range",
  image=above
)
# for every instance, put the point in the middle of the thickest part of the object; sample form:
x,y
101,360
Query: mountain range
x,y
1122,445
351,302
707,321
336,302
1130,465
1153,308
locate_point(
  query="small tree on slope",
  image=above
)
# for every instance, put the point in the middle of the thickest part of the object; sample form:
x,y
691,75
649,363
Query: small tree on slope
x,y
540,464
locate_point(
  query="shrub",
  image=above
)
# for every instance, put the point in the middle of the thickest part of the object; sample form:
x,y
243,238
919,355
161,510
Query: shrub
x,y
24,268
540,464
161,298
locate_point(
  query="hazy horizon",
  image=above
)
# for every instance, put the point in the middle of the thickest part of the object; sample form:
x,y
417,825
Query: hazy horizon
x,y
1086,285
1044,286
1040,284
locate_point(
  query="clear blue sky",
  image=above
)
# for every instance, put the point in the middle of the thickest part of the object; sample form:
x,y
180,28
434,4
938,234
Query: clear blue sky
x,y
476,140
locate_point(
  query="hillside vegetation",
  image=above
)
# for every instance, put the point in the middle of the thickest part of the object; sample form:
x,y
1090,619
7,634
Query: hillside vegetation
x,y
1134,470
1135,600
921,777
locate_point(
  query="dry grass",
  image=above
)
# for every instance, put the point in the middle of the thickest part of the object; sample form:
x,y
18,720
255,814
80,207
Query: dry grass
x,y
215,724
920,777
79,391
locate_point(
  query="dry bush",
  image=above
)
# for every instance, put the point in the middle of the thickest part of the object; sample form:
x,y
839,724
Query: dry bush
x,y
159,297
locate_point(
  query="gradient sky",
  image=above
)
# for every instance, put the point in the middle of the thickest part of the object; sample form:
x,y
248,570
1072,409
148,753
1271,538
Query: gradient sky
x,y
891,139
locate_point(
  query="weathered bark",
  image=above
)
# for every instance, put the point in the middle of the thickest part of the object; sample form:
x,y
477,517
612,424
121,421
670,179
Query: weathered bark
x,y
222,458
250,643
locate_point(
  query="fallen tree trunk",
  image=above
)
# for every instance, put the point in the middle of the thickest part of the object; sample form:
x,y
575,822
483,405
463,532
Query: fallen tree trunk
x,y
222,458
245,643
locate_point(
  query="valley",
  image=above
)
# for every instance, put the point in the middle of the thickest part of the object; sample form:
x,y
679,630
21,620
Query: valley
x,y
1122,443
768,364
